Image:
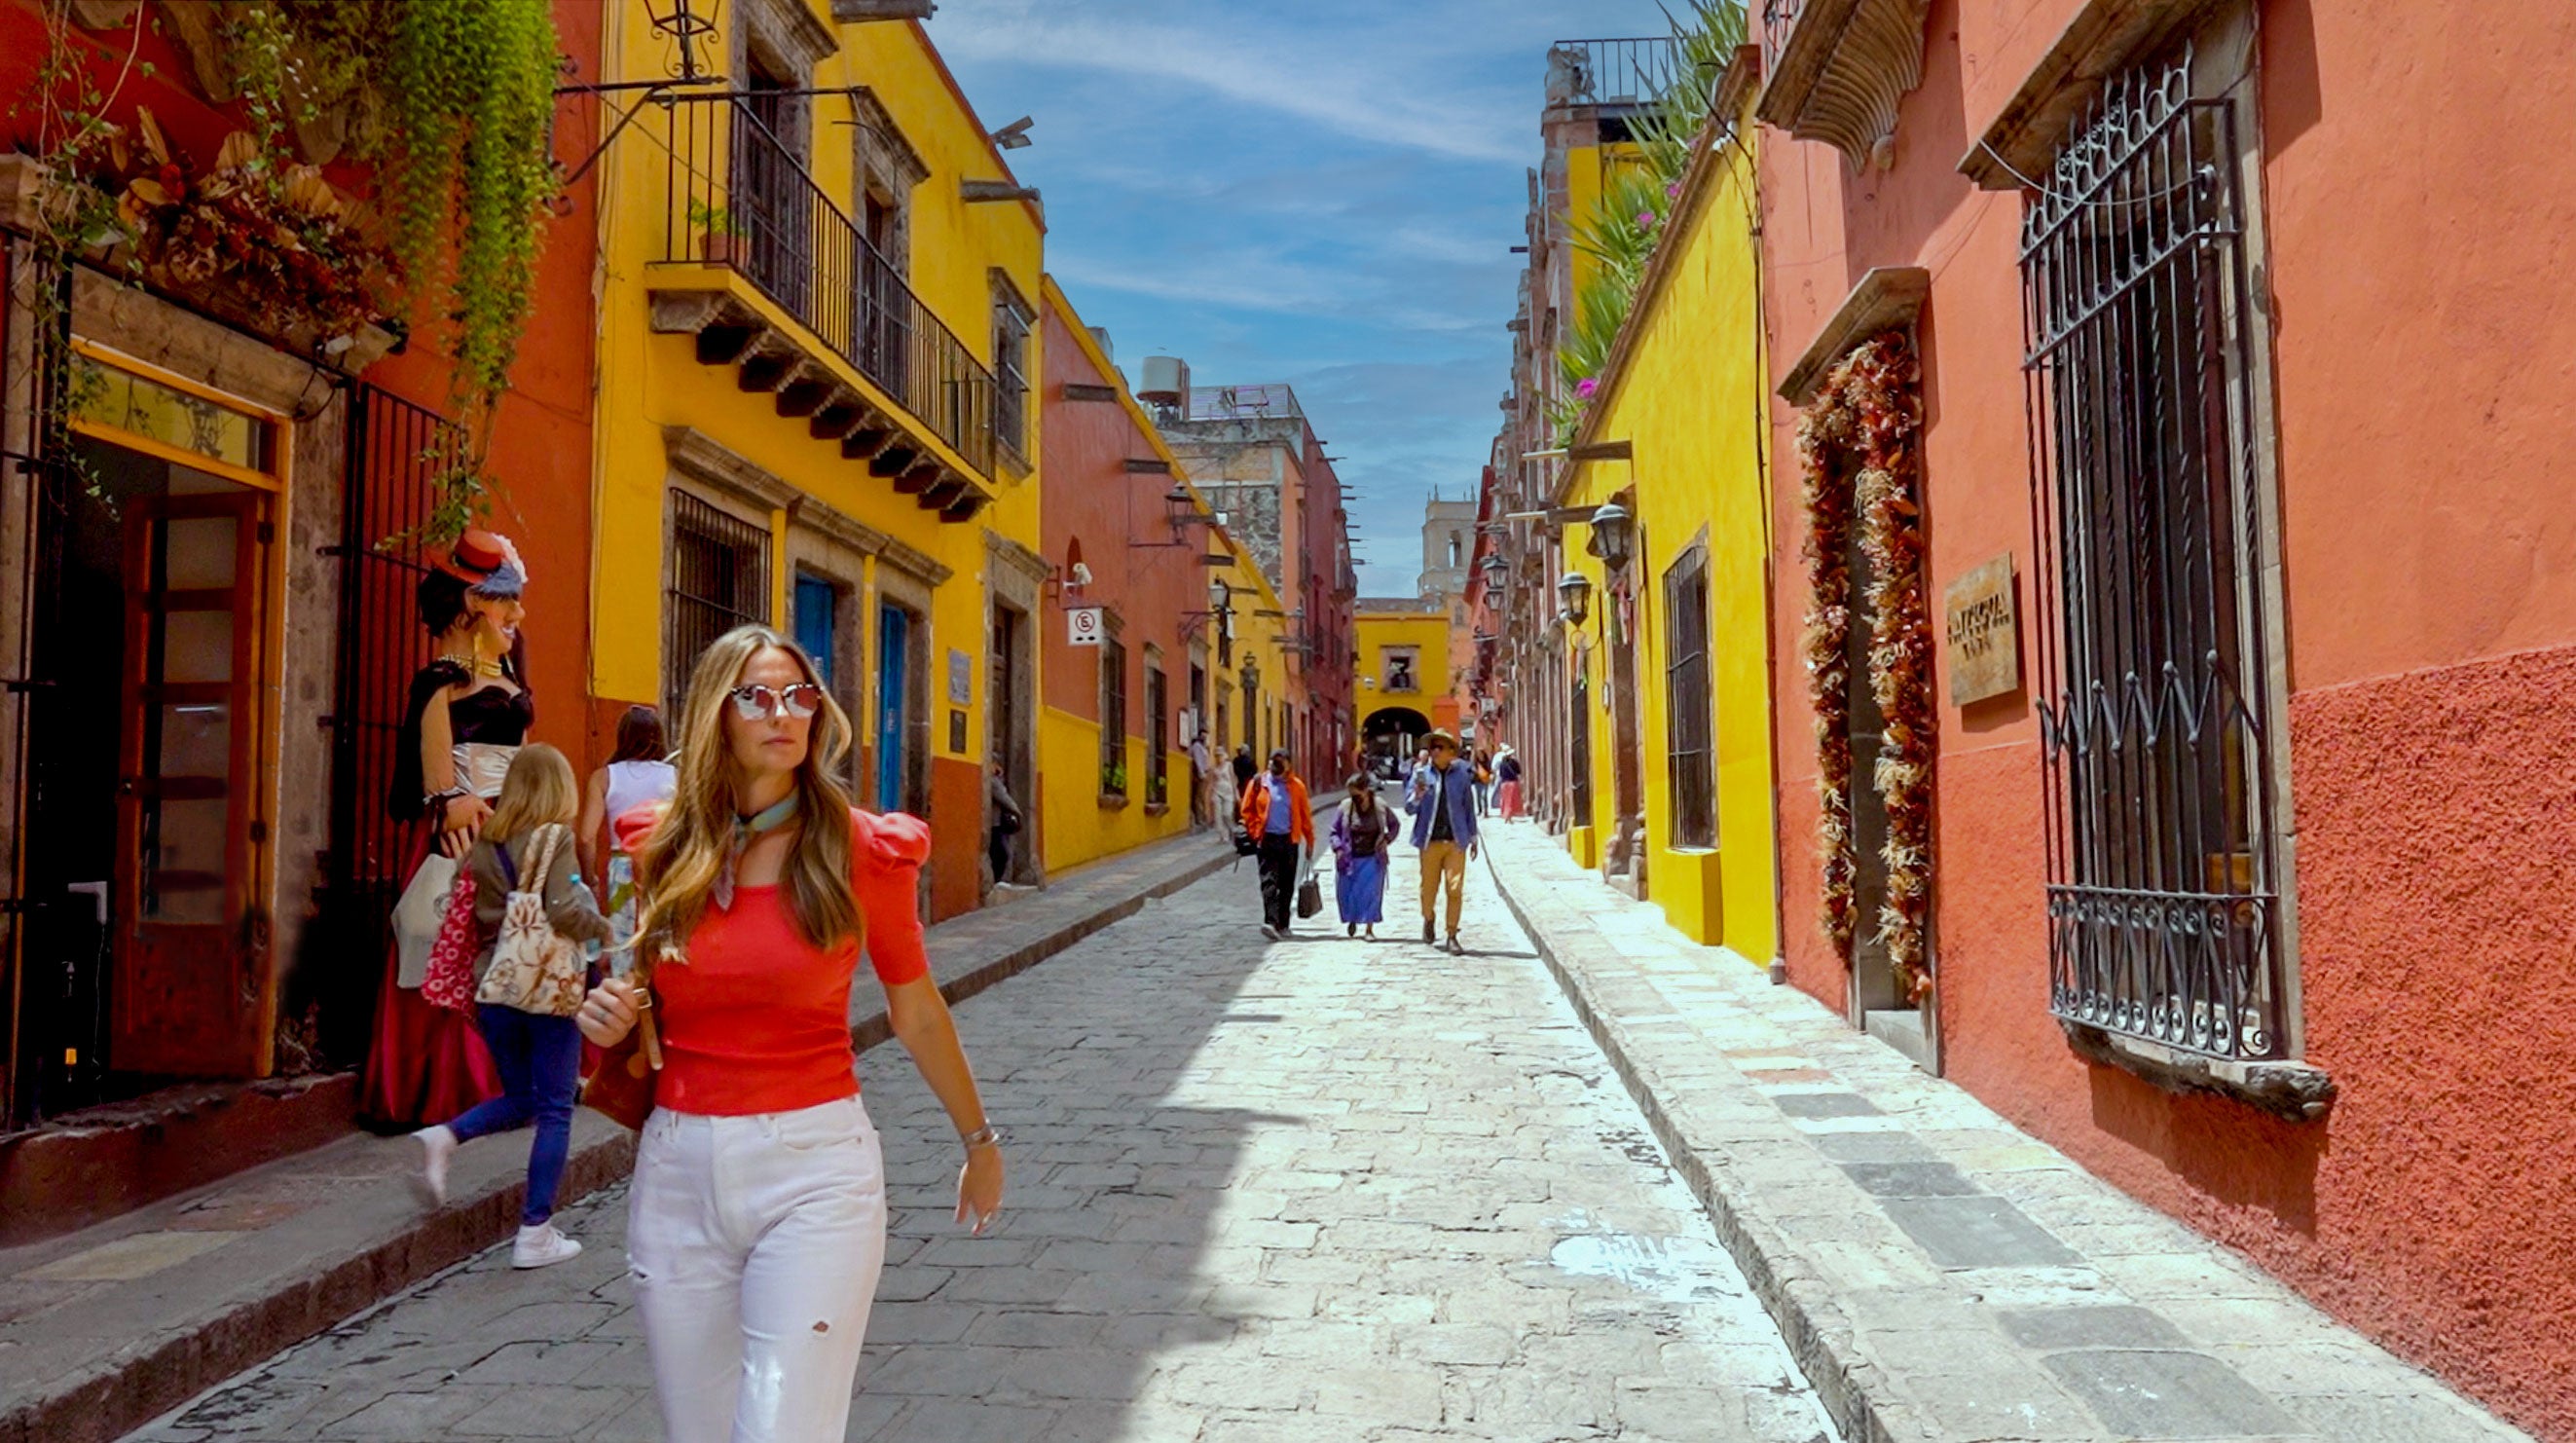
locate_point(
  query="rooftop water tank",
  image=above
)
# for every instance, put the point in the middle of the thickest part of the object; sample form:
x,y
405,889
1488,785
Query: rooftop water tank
x,y
1167,383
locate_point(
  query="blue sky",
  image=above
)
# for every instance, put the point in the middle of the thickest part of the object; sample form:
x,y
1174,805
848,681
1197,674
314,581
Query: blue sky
x,y
1323,192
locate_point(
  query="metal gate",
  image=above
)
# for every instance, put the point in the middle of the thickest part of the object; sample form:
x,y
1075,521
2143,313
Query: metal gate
x,y
395,449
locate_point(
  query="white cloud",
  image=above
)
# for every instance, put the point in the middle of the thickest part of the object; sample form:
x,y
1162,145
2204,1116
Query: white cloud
x,y
1344,87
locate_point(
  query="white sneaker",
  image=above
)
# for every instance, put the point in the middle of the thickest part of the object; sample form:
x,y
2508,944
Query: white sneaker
x,y
542,1246
437,1145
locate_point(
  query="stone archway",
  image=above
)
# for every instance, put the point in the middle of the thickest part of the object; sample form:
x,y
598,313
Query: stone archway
x,y
1390,733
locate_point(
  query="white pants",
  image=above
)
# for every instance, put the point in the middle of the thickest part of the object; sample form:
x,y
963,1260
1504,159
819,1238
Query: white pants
x,y
755,1244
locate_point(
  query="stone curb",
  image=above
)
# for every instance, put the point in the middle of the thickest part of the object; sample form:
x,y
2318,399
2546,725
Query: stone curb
x,y
1821,1337
100,1398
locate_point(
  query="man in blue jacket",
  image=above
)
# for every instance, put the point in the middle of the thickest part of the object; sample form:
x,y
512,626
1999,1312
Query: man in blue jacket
x,y
1442,801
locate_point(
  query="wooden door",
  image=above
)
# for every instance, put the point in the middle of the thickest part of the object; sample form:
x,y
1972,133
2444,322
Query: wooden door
x,y
190,992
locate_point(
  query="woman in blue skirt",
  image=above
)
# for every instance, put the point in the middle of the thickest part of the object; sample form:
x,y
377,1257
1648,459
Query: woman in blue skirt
x,y
1362,833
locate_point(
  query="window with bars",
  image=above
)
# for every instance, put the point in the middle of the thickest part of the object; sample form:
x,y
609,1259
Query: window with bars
x,y
715,578
1113,718
1011,325
1158,739
1691,749
2158,728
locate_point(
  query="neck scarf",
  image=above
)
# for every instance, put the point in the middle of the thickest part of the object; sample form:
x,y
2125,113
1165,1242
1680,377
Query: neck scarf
x,y
746,830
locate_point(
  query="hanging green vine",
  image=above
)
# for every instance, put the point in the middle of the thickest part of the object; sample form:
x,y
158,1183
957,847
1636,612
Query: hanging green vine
x,y
1629,217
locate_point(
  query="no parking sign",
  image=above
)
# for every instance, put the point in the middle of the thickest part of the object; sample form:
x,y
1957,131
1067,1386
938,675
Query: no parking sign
x,y
1083,625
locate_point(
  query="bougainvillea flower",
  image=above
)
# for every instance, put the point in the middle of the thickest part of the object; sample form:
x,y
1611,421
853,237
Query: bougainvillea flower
x,y
1586,387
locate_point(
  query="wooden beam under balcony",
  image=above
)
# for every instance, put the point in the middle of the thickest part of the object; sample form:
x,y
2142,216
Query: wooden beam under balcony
x,y
854,12
918,478
873,435
891,462
808,384
767,362
964,507
841,413
942,493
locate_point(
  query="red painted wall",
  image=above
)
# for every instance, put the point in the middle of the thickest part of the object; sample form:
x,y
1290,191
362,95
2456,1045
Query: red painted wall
x,y
541,447
1092,499
2425,358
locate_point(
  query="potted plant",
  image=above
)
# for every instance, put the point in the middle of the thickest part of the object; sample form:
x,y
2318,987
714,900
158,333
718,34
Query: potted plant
x,y
719,234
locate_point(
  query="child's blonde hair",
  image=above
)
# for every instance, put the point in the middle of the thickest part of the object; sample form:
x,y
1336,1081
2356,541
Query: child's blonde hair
x,y
538,791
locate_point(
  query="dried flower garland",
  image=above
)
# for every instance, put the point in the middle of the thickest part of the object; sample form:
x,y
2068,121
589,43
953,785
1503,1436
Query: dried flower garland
x,y
1823,434
1857,440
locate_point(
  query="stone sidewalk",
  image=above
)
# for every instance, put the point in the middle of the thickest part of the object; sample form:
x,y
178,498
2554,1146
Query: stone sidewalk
x,y
104,1328
1314,1191
1940,1274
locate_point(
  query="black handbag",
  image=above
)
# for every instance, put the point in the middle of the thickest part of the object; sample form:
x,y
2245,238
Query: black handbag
x,y
1310,896
1244,843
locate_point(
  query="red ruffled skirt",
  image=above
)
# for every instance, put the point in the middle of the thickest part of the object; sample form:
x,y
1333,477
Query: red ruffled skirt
x,y
427,1063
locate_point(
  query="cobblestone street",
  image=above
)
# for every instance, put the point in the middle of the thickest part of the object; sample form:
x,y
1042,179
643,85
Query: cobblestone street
x,y
1321,1189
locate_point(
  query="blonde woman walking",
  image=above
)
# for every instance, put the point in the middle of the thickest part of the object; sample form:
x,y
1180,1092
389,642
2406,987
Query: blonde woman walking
x,y
757,1215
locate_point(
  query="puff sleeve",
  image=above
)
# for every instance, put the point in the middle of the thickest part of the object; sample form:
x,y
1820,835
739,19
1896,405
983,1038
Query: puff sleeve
x,y
886,853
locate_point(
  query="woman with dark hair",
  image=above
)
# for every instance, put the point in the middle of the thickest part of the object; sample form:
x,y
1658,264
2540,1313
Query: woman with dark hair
x,y
756,1221
468,712
639,772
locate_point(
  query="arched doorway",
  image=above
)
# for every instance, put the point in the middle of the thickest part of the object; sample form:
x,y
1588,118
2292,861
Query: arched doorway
x,y
1391,733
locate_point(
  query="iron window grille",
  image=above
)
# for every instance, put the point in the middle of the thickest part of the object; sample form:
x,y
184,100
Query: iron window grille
x,y
1157,739
718,579
1011,325
2157,727
1692,744
1113,718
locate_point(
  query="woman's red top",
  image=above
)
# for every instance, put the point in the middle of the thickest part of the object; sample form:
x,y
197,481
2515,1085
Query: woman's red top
x,y
758,1019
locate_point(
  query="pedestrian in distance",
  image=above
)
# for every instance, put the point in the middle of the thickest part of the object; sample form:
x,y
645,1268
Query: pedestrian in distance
x,y
1363,832
1202,795
525,845
1484,783
1442,801
1002,819
1276,810
1507,782
1245,769
639,772
756,1219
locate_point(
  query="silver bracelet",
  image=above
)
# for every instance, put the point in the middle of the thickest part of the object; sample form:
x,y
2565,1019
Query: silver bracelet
x,y
986,1136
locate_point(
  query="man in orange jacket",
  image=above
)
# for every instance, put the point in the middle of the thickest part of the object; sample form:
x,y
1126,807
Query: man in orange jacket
x,y
1276,811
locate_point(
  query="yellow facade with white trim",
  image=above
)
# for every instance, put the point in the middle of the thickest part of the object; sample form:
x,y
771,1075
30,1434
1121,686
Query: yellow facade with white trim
x,y
1688,395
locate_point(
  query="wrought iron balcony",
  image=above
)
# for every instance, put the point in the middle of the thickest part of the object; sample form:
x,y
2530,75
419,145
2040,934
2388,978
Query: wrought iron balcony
x,y
1611,72
739,196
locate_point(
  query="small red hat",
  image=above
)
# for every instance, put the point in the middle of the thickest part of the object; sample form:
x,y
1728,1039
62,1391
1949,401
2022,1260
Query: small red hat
x,y
477,555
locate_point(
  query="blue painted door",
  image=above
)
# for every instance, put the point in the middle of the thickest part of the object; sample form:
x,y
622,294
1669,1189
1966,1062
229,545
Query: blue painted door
x,y
816,602
894,647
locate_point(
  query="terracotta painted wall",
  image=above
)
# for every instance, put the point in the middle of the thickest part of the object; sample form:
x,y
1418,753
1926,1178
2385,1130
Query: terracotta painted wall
x,y
1091,499
2426,365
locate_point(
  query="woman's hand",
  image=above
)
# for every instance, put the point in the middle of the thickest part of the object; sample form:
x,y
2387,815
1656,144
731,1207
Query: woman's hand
x,y
609,1013
459,822
979,1186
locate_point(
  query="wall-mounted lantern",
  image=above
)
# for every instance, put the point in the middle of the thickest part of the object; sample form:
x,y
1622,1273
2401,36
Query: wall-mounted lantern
x,y
1575,590
1614,535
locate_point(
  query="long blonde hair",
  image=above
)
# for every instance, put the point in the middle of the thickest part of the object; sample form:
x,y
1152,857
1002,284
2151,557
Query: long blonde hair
x,y
676,867
537,791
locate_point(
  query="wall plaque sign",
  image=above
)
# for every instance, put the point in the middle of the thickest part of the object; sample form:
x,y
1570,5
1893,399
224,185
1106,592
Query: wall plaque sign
x,y
1082,626
1984,634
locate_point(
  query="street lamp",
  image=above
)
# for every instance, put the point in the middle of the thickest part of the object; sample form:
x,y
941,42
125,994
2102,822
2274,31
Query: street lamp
x,y
1614,535
1497,571
1575,590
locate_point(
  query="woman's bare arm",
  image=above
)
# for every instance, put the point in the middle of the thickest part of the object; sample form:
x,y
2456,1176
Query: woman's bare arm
x,y
920,1020
590,837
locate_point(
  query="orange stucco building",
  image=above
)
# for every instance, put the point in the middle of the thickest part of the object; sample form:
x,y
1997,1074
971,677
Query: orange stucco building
x,y
2246,884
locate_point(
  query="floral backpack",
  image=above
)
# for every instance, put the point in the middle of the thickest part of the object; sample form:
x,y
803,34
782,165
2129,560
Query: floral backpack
x,y
534,969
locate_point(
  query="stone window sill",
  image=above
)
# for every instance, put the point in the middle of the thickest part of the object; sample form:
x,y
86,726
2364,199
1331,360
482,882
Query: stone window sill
x,y
1113,801
2291,1090
1156,809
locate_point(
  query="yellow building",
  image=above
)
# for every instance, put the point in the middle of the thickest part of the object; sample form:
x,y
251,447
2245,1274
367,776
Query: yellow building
x,y
1666,666
1404,675
816,333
